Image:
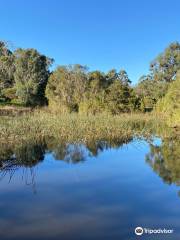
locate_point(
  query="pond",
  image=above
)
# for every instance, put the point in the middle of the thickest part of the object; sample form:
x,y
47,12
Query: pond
x,y
97,191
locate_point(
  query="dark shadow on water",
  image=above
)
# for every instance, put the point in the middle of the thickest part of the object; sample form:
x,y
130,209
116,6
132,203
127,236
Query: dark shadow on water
x,y
23,157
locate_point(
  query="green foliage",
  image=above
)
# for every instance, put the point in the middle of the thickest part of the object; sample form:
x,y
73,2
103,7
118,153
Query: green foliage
x,y
170,104
111,75
123,77
150,91
75,89
25,79
148,87
6,68
93,105
67,85
97,82
94,97
166,65
31,76
147,104
23,74
163,70
119,97
9,93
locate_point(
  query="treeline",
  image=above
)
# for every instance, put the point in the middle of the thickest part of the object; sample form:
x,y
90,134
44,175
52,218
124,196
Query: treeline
x,y
163,71
73,88
26,79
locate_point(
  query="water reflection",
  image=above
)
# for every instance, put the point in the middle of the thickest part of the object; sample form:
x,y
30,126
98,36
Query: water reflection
x,y
24,156
165,160
69,153
75,153
29,154
101,190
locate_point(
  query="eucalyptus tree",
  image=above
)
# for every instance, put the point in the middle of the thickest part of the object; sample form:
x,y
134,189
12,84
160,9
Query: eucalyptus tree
x,y
94,97
7,69
119,94
31,76
67,86
170,103
165,66
123,77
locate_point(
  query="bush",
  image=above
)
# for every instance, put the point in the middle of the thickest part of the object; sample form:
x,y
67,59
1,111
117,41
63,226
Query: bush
x,y
170,104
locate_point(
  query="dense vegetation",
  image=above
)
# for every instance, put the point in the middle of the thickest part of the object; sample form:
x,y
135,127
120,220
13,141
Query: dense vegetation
x,y
170,103
26,79
41,124
29,151
163,71
73,88
24,75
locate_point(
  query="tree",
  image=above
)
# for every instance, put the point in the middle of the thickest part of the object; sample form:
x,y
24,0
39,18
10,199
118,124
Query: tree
x,y
31,76
93,101
111,76
7,69
123,77
67,85
166,65
119,98
97,81
163,70
170,103
150,91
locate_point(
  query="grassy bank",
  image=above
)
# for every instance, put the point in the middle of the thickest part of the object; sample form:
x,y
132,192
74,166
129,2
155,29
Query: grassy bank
x,y
41,124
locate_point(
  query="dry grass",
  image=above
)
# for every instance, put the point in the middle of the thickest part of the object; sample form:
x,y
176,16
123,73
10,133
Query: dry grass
x,y
42,124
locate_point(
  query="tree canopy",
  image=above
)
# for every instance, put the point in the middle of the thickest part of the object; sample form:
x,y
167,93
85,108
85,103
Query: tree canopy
x,y
166,65
24,74
7,69
170,103
31,76
25,78
163,71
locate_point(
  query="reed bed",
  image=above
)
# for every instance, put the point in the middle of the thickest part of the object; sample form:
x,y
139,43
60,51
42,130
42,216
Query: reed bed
x,y
42,124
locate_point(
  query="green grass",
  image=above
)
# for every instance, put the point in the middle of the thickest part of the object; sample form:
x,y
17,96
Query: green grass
x,y
14,104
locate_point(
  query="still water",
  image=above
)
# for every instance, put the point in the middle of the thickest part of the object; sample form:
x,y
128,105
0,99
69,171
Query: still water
x,y
100,191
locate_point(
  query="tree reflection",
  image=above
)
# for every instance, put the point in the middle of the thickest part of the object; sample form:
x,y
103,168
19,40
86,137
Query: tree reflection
x,y
70,153
28,154
165,160
75,153
99,146
23,156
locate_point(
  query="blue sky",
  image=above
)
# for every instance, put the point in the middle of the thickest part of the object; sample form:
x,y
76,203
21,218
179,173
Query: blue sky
x,y
101,34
